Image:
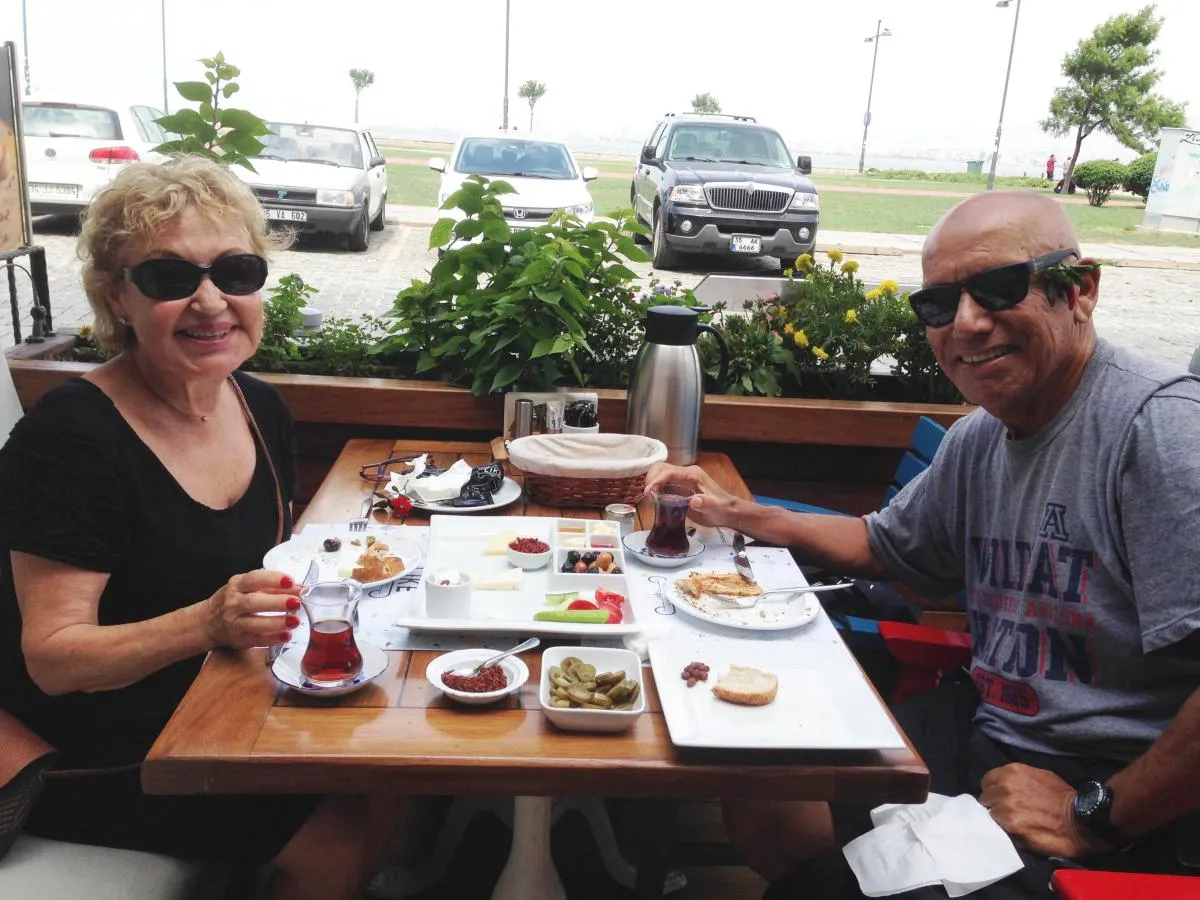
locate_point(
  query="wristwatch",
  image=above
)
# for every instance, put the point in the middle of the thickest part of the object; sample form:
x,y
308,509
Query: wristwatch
x,y
1092,807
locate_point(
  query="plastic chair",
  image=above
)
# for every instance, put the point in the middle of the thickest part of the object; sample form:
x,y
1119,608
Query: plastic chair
x,y
1084,884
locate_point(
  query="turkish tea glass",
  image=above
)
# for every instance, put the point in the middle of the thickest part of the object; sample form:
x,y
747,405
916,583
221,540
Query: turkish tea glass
x,y
669,537
332,657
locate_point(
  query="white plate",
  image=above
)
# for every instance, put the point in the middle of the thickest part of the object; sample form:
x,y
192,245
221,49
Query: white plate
x,y
514,668
635,543
775,613
287,670
294,555
459,542
509,492
824,700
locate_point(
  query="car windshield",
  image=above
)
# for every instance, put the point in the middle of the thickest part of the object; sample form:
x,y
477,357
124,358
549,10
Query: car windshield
x,y
750,146
70,120
312,143
507,156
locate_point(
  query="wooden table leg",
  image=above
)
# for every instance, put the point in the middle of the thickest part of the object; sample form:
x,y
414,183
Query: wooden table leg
x,y
657,838
530,870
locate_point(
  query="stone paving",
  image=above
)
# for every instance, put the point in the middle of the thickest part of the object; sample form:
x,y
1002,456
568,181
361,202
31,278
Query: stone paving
x,y
1151,302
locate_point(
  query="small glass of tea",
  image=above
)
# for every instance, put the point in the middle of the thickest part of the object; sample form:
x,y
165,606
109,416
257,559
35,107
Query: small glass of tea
x,y
669,537
332,657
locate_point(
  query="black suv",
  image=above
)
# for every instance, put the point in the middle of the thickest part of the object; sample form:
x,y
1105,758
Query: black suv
x,y
712,183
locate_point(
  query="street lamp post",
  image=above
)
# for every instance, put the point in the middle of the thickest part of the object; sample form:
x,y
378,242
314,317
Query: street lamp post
x,y
162,9
880,32
1004,4
507,6
25,48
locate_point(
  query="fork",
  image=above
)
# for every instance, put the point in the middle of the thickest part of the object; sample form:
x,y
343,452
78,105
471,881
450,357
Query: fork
x,y
751,602
363,520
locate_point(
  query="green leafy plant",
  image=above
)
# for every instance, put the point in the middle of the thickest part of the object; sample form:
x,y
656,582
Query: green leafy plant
x,y
528,309
226,135
281,321
758,356
1099,177
345,346
1140,173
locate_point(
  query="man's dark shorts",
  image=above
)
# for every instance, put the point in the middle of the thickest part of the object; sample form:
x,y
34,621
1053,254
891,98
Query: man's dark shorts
x,y
939,725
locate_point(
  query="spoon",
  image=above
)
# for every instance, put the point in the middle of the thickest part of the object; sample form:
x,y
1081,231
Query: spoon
x,y
475,670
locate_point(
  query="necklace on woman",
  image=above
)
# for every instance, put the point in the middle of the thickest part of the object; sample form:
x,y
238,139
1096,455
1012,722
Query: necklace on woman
x,y
203,417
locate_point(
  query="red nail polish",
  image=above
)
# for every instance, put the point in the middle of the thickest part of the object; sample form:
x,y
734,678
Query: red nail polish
x,y
286,581
292,622
293,603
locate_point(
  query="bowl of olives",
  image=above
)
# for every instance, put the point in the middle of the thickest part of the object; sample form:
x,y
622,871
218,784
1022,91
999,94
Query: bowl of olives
x,y
597,689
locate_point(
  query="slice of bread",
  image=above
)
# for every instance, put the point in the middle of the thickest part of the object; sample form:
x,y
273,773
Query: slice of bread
x,y
746,686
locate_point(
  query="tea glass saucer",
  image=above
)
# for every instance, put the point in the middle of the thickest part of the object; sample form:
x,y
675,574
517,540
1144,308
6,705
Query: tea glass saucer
x,y
637,551
287,669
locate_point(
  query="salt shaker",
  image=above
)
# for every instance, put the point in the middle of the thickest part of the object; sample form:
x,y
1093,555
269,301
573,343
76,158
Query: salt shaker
x,y
523,419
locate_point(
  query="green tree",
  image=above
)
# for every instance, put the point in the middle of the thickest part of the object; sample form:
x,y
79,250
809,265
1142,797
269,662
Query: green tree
x,y
227,135
1111,79
1140,173
705,103
531,92
362,78
1100,177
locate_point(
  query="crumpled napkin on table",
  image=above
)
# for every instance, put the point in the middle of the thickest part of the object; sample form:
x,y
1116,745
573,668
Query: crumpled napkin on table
x,y
951,841
446,486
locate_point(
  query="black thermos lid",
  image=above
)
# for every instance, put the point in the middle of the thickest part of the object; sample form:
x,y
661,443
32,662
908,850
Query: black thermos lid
x,y
671,325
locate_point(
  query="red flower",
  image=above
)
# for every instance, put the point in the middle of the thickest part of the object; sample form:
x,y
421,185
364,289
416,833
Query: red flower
x,y
400,506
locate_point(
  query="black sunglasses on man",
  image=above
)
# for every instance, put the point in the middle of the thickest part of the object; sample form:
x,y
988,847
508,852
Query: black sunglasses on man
x,y
995,290
171,278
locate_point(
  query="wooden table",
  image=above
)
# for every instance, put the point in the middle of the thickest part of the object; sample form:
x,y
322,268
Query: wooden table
x,y
238,731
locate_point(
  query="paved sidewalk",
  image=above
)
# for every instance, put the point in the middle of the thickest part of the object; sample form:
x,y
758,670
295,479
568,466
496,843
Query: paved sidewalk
x,y
866,243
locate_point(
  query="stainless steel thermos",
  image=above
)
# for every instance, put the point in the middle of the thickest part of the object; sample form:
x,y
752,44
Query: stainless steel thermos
x,y
666,385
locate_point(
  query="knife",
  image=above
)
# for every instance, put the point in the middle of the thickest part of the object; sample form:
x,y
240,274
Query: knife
x,y
741,561
310,578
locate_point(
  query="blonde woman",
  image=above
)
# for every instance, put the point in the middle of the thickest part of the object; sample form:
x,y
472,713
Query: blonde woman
x,y
136,504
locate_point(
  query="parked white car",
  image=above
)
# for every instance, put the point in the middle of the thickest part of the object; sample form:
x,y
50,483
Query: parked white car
x,y
321,178
73,149
543,172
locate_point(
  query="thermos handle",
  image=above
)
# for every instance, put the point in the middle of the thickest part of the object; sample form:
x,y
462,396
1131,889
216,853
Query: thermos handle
x,y
724,353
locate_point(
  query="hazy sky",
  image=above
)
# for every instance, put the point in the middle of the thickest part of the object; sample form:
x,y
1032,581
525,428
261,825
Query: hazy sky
x,y
612,67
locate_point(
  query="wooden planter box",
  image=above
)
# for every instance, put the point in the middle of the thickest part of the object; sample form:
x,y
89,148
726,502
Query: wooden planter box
x,y
833,452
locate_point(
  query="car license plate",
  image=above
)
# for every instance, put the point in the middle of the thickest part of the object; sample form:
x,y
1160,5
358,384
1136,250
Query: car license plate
x,y
745,243
54,190
286,215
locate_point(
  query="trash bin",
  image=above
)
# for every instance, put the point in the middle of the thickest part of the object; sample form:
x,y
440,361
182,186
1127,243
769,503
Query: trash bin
x,y
974,166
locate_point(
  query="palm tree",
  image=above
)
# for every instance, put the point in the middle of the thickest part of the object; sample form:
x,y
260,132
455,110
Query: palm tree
x,y
531,92
362,78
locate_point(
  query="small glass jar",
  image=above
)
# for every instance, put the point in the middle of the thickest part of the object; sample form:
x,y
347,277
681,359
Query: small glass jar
x,y
624,514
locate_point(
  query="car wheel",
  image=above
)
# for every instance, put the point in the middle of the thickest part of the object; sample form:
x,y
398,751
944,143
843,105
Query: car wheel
x,y
361,236
377,223
662,256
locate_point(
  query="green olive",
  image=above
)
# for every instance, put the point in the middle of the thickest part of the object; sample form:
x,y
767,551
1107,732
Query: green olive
x,y
609,678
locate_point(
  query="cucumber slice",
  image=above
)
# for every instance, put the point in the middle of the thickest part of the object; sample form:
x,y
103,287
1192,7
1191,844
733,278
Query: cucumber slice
x,y
562,599
581,616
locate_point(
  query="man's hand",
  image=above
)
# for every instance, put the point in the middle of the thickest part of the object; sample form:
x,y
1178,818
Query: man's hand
x,y
711,505
1033,806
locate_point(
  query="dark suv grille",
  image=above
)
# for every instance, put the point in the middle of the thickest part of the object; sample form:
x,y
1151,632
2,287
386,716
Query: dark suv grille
x,y
289,195
747,197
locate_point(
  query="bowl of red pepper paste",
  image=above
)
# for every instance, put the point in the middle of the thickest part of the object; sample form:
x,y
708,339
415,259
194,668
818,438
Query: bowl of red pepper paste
x,y
490,685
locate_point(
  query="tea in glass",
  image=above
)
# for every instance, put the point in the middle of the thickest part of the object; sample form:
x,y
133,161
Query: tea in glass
x,y
669,537
332,657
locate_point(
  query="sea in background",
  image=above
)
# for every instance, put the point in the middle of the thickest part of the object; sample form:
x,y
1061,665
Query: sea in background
x,y
1016,162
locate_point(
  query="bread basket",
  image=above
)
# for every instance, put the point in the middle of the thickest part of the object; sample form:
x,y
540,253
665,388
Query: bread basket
x,y
585,469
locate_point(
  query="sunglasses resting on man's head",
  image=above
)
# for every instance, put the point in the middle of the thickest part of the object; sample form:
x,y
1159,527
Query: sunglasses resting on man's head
x,y
995,290
170,278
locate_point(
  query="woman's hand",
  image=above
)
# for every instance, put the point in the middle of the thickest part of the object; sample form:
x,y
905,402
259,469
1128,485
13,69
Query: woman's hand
x,y
711,505
245,611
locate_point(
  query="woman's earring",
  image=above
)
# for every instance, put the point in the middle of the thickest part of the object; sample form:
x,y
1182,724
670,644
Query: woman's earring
x,y
123,321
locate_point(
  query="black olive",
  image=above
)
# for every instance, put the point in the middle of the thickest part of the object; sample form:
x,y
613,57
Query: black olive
x,y
589,557
572,556
332,544
616,570
568,566
593,570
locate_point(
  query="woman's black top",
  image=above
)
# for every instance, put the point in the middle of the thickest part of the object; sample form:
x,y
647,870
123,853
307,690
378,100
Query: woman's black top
x,y
78,486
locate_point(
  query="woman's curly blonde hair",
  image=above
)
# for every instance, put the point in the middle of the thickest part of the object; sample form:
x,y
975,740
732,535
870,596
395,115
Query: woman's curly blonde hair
x,y
123,220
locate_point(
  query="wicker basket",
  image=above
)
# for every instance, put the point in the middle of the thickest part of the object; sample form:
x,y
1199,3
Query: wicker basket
x,y
585,469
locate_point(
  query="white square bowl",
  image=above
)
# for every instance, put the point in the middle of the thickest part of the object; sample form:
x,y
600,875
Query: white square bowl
x,y
605,659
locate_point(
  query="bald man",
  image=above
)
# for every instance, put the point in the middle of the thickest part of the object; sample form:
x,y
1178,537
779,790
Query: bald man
x,y
1068,506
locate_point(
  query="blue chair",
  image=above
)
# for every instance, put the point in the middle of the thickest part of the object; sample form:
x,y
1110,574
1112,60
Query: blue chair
x,y
860,632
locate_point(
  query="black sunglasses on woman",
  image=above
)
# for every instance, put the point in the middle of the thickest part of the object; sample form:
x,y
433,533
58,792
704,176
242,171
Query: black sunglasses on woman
x,y
171,278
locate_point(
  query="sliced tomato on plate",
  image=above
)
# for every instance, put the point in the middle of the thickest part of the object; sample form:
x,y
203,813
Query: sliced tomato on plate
x,y
614,612
603,596
582,604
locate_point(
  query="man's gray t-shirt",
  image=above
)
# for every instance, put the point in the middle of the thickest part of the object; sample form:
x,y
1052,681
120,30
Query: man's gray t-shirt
x,y
1079,547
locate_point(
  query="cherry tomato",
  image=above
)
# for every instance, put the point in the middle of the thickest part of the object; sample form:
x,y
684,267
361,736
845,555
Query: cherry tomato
x,y
614,612
582,604
603,596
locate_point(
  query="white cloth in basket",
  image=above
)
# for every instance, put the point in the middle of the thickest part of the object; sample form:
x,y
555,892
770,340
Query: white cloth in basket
x,y
586,455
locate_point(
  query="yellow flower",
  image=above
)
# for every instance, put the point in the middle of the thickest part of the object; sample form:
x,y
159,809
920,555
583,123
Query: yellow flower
x,y
835,256
851,316
820,353
849,267
889,286
789,328
804,261
873,294
788,273
800,338
86,332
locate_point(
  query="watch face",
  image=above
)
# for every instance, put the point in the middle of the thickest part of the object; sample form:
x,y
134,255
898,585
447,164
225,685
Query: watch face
x,y
1088,798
